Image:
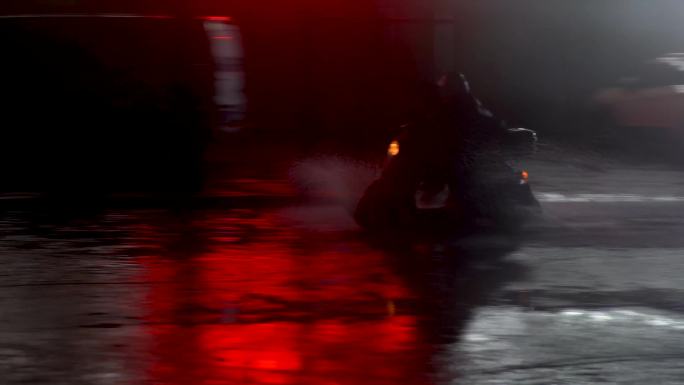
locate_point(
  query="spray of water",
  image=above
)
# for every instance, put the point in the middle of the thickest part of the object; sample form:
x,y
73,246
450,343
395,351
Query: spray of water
x,y
333,179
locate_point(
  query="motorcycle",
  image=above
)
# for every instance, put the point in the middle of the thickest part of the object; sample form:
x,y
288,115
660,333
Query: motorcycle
x,y
456,191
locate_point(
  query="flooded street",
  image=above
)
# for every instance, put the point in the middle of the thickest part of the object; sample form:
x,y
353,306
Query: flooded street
x,y
591,293
414,192
234,296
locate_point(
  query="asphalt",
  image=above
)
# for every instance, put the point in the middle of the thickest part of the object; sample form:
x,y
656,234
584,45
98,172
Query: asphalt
x,y
294,293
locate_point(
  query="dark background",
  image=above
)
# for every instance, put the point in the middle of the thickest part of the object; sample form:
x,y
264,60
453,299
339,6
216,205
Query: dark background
x,y
343,72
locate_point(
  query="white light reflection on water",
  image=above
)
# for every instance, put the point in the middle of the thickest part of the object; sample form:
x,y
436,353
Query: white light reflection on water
x,y
604,198
504,345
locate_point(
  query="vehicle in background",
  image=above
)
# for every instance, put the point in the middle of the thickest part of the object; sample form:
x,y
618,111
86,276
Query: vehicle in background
x,y
653,97
113,103
644,112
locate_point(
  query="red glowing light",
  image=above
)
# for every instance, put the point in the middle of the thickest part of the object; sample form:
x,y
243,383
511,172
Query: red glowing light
x,y
218,18
223,37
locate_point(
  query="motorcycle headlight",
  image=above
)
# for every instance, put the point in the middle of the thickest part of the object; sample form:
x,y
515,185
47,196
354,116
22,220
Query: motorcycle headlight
x,y
393,149
524,177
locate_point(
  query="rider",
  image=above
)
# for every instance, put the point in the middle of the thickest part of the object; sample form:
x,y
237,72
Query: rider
x,y
470,128
446,145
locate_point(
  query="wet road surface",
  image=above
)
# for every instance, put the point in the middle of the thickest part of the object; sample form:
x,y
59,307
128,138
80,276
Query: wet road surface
x,y
591,293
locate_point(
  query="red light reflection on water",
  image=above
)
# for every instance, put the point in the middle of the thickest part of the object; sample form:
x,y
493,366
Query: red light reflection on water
x,y
274,306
